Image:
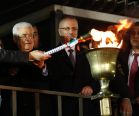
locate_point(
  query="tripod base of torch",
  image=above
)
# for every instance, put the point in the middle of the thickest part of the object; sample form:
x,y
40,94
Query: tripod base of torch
x,y
105,97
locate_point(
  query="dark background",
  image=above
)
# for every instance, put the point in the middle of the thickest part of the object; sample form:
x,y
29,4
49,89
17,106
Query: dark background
x,y
11,10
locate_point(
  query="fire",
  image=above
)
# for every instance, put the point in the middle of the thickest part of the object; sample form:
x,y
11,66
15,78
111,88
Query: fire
x,y
124,24
113,36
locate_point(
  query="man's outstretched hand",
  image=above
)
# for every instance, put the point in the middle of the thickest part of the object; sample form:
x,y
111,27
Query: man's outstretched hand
x,y
38,55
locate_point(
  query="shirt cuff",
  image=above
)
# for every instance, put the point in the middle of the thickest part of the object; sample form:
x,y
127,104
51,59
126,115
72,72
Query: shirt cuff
x,y
45,71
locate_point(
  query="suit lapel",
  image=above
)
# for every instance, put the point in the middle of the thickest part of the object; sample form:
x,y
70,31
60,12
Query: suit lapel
x,y
66,59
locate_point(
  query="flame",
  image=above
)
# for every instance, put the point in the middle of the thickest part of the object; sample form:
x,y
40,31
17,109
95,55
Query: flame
x,y
124,24
113,36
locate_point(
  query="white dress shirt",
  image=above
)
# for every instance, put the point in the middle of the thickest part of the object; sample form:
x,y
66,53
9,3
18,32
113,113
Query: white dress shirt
x,y
130,60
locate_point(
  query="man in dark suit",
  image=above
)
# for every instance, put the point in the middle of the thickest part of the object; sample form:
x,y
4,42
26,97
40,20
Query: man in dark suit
x,y
25,75
71,74
126,59
68,29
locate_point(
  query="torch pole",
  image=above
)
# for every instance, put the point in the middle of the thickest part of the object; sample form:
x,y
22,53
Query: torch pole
x,y
105,107
105,102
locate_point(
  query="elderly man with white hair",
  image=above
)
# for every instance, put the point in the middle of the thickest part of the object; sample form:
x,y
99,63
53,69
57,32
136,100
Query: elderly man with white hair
x,y
26,74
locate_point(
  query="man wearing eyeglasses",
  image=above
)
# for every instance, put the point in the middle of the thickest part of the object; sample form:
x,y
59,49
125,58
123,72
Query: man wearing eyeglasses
x,y
28,74
70,73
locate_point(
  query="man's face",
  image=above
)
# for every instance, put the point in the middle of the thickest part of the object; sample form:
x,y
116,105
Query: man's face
x,y
68,29
26,40
134,37
36,37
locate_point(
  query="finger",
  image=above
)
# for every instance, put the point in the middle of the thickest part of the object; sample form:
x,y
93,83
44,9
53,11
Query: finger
x,y
83,92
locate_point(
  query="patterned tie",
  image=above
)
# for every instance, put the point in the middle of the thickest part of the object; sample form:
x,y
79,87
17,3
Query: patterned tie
x,y
71,56
133,70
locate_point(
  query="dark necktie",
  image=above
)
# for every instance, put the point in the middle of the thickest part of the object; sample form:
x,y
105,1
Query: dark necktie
x,y
133,70
71,56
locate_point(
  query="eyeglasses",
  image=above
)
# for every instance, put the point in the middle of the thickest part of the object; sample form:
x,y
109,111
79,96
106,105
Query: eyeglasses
x,y
27,36
68,28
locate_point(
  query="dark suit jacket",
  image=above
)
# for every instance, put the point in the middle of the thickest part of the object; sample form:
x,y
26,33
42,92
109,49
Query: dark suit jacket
x,y
7,58
24,75
13,56
123,60
64,77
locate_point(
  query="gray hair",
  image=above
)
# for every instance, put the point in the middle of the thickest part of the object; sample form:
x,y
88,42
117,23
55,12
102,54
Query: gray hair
x,y
19,25
16,30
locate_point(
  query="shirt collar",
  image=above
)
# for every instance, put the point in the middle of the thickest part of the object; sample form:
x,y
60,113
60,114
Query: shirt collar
x,y
68,48
132,52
